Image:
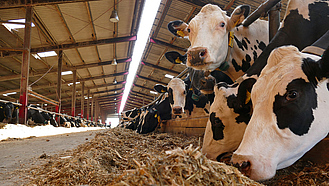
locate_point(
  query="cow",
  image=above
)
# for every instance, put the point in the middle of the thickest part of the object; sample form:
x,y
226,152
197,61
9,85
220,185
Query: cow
x,y
6,112
303,24
49,118
200,79
133,119
153,115
289,117
220,42
34,116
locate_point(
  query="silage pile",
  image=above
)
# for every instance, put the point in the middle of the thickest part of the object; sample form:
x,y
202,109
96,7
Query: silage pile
x,y
122,157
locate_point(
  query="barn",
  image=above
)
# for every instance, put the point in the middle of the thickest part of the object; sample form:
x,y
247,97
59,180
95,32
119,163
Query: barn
x,y
76,63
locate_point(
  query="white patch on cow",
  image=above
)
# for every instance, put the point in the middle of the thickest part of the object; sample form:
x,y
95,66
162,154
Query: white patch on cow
x,y
264,145
233,132
178,87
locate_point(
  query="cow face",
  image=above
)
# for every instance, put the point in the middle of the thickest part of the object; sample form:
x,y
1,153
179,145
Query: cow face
x,y
176,90
290,102
224,130
208,33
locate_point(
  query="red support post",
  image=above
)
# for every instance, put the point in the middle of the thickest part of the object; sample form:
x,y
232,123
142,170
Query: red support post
x,y
23,98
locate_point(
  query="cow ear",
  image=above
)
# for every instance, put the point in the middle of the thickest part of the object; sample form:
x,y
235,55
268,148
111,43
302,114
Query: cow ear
x,y
324,63
175,57
178,28
238,15
160,88
244,91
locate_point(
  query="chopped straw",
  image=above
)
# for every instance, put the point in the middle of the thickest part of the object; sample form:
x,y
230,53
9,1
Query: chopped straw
x,y
123,157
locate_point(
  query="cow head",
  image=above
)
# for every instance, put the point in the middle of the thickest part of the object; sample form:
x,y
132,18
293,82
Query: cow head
x,y
176,90
290,104
226,124
209,33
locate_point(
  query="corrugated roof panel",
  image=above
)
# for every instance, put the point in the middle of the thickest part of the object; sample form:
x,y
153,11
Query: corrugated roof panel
x,y
51,18
76,17
89,54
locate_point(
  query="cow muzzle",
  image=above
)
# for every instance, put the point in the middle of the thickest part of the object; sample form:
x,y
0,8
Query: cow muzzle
x,y
177,110
207,85
196,56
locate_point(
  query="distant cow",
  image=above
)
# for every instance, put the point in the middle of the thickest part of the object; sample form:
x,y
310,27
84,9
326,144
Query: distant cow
x,y
6,112
34,116
303,24
219,41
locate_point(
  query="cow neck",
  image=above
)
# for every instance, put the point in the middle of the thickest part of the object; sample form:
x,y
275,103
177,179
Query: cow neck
x,y
319,46
224,66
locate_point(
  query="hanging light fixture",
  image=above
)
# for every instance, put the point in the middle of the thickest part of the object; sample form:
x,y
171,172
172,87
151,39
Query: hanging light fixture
x,y
114,62
115,81
114,16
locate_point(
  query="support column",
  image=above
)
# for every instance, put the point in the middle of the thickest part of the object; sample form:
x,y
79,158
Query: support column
x,y
23,98
59,83
82,98
274,20
88,104
92,108
74,93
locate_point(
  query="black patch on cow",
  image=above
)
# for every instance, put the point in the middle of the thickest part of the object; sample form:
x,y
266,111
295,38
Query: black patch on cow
x,y
221,77
262,45
255,47
235,65
239,43
247,40
254,55
294,110
237,29
246,63
217,127
244,44
312,70
170,96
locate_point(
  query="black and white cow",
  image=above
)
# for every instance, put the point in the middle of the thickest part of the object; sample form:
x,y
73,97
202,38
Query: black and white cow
x,y
152,116
6,112
219,41
34,116
49,118
200,79
290,116
303,24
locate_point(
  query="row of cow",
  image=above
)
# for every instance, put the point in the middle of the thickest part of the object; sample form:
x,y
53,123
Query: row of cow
x,y
9,114
275,111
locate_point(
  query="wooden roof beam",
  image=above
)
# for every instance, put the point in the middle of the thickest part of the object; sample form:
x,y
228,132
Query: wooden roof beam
x,y
22,3
71,45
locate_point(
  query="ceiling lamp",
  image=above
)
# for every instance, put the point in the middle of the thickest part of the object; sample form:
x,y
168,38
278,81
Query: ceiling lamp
x,y
114,16
114,62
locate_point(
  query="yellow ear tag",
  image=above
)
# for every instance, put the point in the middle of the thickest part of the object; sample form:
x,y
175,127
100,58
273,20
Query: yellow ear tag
x,y
191,89
178,60
163,91
180,33
230,39
159,119
156,115
247,97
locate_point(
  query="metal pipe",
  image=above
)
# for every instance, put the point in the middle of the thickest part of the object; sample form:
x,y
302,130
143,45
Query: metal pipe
x,y
263,8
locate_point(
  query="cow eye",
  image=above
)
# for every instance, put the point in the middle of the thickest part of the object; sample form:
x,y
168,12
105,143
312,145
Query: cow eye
x,y
292,95
222,24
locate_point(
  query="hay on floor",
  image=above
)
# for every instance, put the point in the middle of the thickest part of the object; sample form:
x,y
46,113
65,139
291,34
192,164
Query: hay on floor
x,y
122,157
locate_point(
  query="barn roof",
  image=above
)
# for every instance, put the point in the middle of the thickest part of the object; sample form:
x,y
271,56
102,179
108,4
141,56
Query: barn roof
x,y
90,42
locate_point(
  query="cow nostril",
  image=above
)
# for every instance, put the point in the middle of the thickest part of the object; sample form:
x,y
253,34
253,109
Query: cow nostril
x,y
202,53
245,165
